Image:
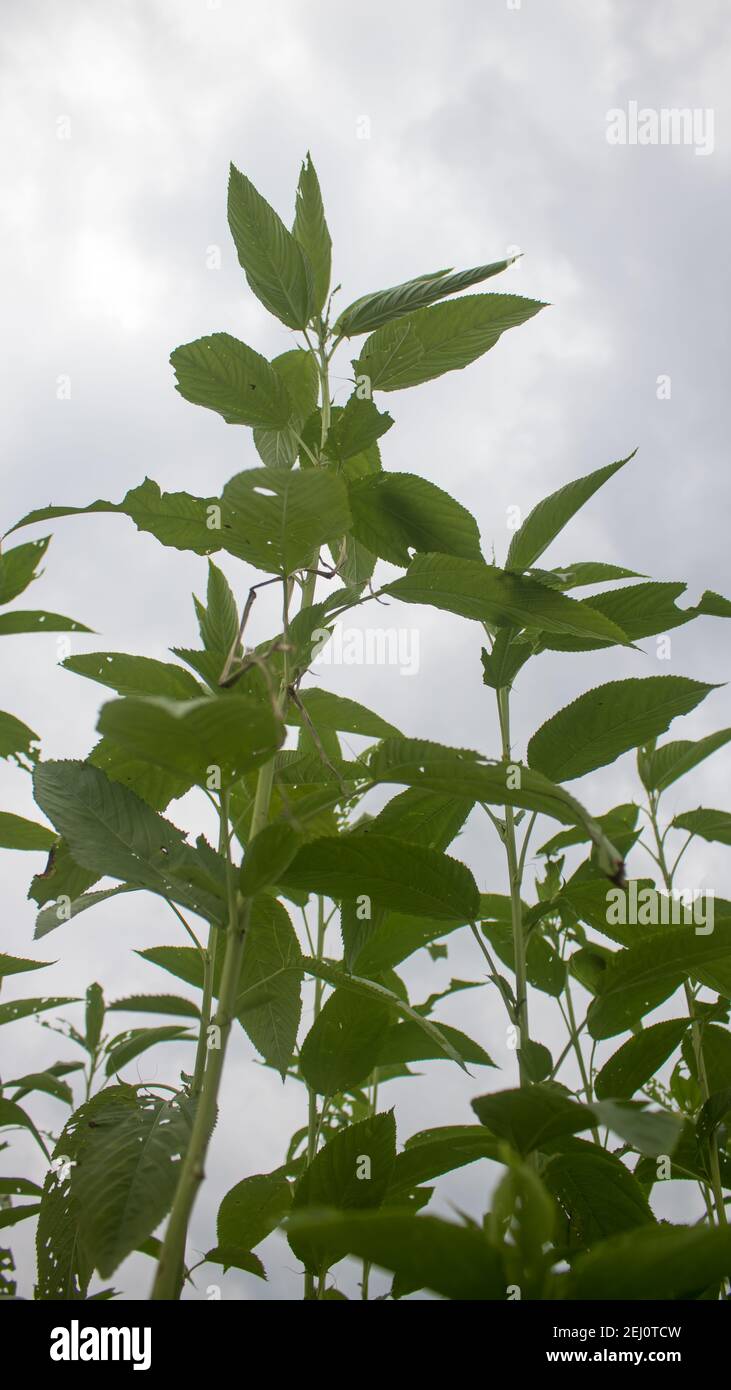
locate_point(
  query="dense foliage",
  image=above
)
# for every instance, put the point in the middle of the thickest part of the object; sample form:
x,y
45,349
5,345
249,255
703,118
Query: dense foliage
x,y
296,853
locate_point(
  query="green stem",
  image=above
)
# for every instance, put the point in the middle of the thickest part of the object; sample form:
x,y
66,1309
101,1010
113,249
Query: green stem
x,y
576,1044
209,966
313,1124
367,1263
516,910
324,375
169,1276
574,1034
696,1032
170,1269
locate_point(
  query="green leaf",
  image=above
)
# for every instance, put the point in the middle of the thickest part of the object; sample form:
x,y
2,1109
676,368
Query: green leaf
x,y
127,1180
275,265
18,833
549,517
344,1043
501,665
663,958
709,825
20,621
175,518
373,310
18,567
583,572
429,342
411,878
353,431
651,1132
396,937
323,970
619,824
26,1008
436,768
193,738
218,621
421,817
112,832
225,375
713,1112
689,1162
12,1215
13,1117
19,1187
16,965
133,1043
16,737
639,1059
152,784
598,1194
281,519
64,1269
664,765
407,1042
716,1055
232,1258
45,1081
421,1251
311,231
251,1210
358,923
530,1117
94,1016
653,1262
486,594
267,857
61,877
641,610
155,1004
599,726
272,962
184,962
134,675
62,911
352,1172
395,513
278,448
330,711
435,1151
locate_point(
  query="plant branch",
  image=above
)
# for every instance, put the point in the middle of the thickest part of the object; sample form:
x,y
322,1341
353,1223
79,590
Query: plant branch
x,y
516,909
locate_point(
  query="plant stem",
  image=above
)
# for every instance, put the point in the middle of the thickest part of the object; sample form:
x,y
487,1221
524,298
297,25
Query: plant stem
x,y
516,910
313,1127
573,1031
169,1276
696,1033
367,1263
576,1044
324,374
209,966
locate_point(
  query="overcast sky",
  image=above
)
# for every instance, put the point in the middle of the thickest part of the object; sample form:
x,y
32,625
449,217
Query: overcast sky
x,y
486,126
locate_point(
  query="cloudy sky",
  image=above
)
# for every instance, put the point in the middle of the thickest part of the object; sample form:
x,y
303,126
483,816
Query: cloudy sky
x,y
444,133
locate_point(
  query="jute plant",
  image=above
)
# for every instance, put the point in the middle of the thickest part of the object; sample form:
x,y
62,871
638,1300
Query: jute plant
x,y
298,850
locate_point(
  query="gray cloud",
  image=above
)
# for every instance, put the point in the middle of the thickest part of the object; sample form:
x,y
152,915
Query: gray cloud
x,y
487,130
